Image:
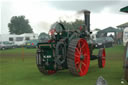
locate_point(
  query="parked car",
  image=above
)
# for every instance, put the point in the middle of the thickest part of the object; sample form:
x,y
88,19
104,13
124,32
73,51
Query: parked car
x,y
100,42
109,42
104,42
31,44
4,45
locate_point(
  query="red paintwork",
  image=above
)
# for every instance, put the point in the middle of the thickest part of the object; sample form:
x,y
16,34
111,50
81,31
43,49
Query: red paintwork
x,y
51,71
103,58
32,43
52,31
82,66
80,28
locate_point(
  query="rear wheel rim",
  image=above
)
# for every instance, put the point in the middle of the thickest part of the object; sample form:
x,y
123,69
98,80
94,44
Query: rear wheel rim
x,y
82,57
103,58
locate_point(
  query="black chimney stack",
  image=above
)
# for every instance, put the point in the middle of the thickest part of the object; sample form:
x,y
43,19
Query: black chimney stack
x,y
87,19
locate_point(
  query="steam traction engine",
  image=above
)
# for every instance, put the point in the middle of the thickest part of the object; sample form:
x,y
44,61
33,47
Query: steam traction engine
x,y
71,50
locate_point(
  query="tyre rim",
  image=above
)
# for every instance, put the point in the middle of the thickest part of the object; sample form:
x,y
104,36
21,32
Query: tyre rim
x,y
82,57
103,58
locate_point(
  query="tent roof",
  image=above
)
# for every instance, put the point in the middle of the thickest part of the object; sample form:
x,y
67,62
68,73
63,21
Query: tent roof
x,y
110,29
123,25
124,9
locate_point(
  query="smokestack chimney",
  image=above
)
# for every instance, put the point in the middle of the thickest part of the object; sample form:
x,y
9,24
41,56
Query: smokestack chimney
x,y
87,19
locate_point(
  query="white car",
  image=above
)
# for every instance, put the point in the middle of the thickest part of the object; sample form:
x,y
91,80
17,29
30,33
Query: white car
x,y
4,45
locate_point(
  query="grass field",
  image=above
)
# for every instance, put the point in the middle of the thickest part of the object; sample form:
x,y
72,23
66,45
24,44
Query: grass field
x,y
15,71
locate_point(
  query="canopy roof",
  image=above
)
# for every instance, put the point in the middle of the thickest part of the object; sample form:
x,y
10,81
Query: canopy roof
x,y
124,9
110,29
123,25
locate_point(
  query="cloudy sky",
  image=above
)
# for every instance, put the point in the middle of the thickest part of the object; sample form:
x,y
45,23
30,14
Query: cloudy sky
x,y
42,13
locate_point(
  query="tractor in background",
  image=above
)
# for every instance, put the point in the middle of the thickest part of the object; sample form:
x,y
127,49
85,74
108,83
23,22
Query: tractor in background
x,y
68,49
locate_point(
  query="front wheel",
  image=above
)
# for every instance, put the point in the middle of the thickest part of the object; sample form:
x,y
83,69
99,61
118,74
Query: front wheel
x,y
101,58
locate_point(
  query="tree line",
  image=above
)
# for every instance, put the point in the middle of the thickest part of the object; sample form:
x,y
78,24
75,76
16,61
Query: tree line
x,y
19,25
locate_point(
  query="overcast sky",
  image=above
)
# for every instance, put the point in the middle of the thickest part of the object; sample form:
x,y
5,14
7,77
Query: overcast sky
x,y
42,14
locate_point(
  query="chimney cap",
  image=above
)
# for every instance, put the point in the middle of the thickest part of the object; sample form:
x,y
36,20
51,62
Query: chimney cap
x,y
84,11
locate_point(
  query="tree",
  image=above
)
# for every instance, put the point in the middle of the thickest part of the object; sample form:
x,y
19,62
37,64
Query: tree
x,y
19,25
77,23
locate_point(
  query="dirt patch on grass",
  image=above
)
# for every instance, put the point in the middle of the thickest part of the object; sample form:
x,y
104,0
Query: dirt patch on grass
x,y
17,54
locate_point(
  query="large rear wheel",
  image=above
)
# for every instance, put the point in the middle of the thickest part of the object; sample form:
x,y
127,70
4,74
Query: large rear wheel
x,y
78,57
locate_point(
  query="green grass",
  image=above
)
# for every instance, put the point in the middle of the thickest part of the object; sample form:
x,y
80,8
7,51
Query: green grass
x,y
15,71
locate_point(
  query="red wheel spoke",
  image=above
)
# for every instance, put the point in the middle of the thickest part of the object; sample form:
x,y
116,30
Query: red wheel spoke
x,y
85,54
83,46
83,64
77,58
78,51
77,63
77,55
80,68
79,44
81,71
